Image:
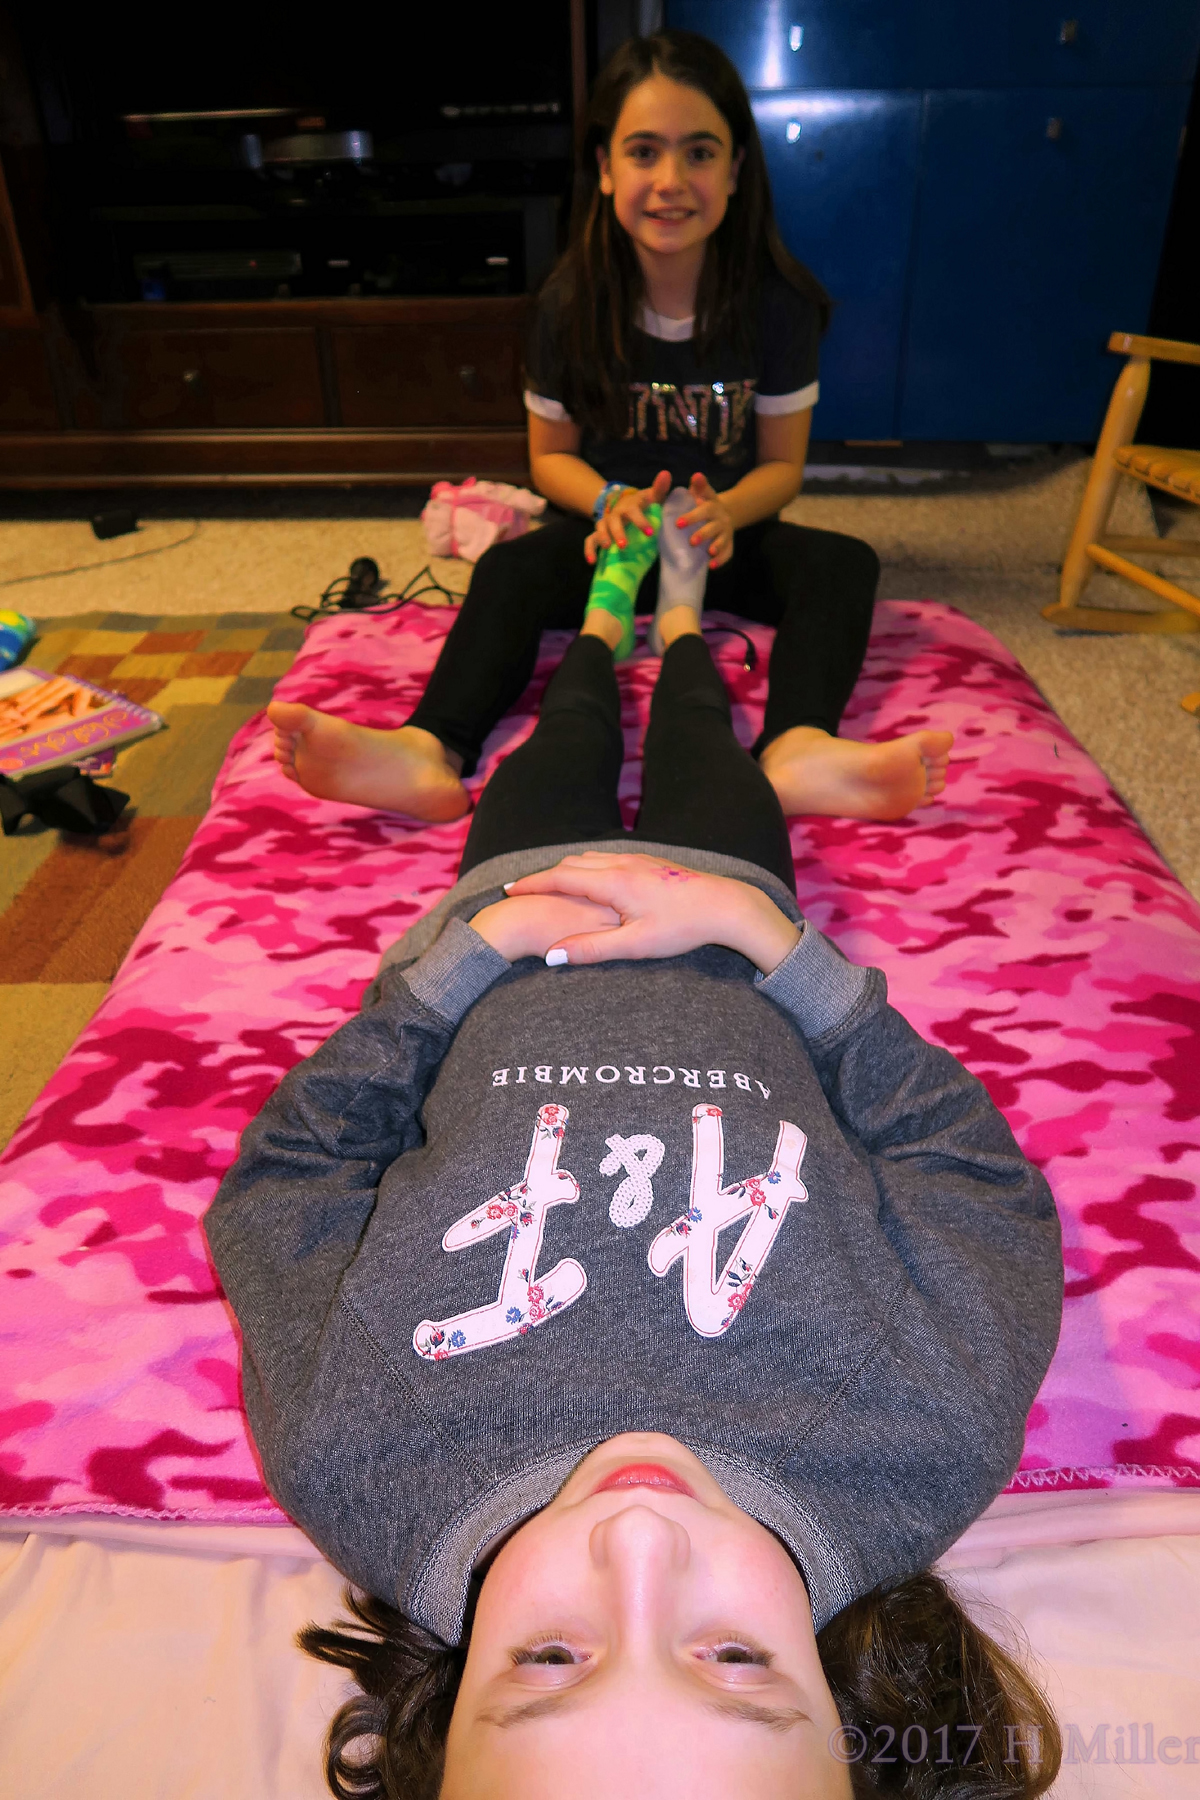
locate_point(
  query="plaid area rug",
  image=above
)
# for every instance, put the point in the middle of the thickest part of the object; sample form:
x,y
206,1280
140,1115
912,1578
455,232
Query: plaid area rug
x,y
71,906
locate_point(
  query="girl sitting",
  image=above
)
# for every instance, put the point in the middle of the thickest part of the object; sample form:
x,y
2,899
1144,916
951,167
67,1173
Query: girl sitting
x,y
674,349
634,1307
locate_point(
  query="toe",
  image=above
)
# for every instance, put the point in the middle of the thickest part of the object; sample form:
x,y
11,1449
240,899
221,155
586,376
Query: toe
x,y
289,716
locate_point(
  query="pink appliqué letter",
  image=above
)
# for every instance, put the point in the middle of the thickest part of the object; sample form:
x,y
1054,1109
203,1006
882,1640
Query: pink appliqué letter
x,y
714,1300
525,1298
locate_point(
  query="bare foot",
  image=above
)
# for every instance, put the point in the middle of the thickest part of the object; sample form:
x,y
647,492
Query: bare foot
x,y
842,778
406,771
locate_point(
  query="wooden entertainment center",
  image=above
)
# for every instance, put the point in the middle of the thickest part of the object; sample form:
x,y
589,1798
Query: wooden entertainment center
x,y
376,391
355,387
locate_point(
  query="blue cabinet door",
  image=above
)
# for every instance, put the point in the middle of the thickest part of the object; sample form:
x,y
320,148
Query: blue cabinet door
x,y
1041,218
948,43
790,44
843,172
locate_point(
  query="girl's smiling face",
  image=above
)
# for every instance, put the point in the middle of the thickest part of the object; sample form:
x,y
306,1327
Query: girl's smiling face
x,y
643,1635
670,166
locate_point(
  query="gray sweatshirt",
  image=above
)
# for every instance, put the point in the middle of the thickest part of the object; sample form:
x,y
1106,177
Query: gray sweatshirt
x,y
509,1211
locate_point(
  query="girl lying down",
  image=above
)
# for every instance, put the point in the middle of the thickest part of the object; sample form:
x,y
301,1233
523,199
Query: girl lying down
x,y
634,1307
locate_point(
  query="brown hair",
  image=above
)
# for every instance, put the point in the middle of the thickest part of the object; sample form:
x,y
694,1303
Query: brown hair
x,y
397,1726
930,1705
596,285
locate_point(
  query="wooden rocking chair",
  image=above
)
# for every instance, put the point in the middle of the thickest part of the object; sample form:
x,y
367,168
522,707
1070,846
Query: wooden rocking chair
x,y
1174,471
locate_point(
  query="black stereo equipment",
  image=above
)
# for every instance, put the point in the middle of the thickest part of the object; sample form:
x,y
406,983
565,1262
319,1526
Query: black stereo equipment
x,y
252,152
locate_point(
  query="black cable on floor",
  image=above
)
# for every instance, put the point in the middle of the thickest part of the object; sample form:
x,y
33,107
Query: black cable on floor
x,y
361,592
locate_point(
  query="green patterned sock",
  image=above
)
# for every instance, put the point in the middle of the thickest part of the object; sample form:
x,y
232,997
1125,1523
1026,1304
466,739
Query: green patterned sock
x,y
619,576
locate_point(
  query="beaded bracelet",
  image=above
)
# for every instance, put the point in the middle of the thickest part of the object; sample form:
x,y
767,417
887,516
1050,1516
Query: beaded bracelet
x,y
606,497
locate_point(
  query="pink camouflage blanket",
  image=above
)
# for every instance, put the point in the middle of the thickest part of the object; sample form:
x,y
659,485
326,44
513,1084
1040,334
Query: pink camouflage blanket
x,y
1024,922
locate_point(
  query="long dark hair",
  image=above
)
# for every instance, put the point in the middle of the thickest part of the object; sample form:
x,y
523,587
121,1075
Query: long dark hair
x,y
389,1742
597,285
931,1707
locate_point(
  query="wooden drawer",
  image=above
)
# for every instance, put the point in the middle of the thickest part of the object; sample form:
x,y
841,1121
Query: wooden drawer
x,y
429,374
159,379
26,396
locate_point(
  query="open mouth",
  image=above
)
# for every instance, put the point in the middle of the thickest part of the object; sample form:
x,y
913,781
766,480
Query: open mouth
x,y
645,1475
674,215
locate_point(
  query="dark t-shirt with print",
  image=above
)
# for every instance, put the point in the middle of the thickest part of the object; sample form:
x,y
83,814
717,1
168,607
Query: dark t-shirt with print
x,y
686,414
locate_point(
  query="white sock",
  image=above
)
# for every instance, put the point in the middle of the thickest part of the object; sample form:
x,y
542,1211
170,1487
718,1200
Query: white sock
x,y
682,565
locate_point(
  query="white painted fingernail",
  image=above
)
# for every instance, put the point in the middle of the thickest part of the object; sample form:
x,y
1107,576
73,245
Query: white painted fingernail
x,y
508,885
556,958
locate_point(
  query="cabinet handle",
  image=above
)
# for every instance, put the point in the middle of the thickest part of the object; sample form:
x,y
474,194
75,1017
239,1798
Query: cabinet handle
x,y
467,375
1054,129
1068,31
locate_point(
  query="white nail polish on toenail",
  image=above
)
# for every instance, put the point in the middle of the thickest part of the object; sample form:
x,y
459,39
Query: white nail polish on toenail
x,y
556,958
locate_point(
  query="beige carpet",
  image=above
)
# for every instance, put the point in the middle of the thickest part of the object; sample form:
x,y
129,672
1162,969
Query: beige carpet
x,y
202,566
990,523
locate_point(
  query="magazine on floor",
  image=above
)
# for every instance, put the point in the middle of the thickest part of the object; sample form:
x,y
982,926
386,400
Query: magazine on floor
x,y
48,720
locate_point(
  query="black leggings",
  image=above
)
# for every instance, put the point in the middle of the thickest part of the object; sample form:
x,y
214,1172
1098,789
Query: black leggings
x,y
700,789
816,587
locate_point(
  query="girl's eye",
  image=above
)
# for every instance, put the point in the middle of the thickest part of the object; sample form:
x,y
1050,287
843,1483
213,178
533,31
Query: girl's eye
x,y
737,1653
547,1655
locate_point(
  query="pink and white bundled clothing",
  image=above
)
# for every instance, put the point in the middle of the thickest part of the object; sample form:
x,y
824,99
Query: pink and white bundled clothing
x,y
468,519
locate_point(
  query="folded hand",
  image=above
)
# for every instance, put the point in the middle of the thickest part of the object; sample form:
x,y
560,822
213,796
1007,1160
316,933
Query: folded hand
x,y
660,909
531,925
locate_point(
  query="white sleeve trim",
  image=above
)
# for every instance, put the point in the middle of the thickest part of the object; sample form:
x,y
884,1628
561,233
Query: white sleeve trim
x,y
772,405
554,410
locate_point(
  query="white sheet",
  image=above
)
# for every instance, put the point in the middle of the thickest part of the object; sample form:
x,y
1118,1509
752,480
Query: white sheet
x,y
157,1660
163,1674
1113,1626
